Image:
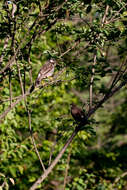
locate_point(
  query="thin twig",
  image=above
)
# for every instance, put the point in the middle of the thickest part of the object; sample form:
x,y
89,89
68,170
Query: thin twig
x,y
105,98
94,63
67,168
119,74
117,13
29,117
10,88
113,20
104,17
12,106
91,82
51,152
75,44
30,71
20,78
53,147
33,141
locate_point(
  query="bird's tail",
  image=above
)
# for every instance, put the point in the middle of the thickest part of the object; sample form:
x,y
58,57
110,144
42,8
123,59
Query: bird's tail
x,y
32,88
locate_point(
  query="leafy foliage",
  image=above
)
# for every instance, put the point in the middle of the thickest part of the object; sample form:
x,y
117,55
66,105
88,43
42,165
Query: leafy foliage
x,y
88,41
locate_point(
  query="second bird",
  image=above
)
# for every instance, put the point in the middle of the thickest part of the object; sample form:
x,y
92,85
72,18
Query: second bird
x,y
77,113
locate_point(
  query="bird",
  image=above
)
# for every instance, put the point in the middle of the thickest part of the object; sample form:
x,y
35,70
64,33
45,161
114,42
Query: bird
x,y
11,5
77,113
46,71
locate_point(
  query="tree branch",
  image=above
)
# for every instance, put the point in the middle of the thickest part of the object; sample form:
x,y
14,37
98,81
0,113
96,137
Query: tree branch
x,y
106,97
43,176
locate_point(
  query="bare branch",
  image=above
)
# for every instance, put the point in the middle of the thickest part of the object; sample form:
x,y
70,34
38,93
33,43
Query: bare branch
x,y
67,168
20,78
119,74
104,17
10,88
94,62
75,44
13,105
43,176
33,141
91,82
106,97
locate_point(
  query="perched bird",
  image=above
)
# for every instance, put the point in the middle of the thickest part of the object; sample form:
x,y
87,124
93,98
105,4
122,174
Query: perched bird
x,y
46,71
11,5
77,113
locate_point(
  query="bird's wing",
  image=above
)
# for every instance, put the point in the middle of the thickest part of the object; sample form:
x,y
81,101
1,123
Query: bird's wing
x,y
77,113
46,68
46,71
43,71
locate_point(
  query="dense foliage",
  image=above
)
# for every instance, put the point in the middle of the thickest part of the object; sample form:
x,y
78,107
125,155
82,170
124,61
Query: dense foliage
x,y
88,40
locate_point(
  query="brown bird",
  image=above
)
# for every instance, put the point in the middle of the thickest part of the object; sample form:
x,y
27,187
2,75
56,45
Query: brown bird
x,y
77,113
46,71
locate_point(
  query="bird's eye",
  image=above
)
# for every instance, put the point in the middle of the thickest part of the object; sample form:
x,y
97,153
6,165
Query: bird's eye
x,y
9,2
